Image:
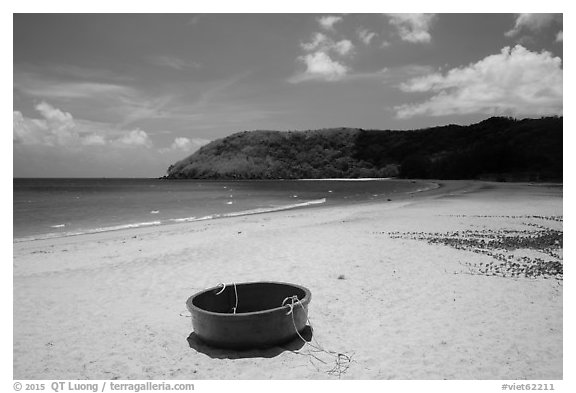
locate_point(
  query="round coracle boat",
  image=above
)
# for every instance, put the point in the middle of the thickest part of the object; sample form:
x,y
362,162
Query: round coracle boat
x,y
249,315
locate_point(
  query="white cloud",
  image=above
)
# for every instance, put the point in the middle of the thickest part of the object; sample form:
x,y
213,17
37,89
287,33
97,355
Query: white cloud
x,y
366,36
181,143
94,140
560,36
320,66
343,47
187,144
328,22
319,62
133,138
514,82
55,144
55,115
56,128
60,124
413,27
532,22
319,40
59,128
24,130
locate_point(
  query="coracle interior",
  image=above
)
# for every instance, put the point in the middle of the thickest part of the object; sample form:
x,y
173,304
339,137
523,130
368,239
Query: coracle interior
x,y
252,297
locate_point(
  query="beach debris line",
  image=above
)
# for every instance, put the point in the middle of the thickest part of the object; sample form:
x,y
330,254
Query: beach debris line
x,y
547,218
528,253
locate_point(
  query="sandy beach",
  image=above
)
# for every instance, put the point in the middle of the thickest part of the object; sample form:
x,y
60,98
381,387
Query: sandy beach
x,y
398,286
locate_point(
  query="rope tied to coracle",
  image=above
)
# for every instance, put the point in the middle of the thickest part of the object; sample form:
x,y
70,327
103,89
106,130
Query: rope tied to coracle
x,y
183,314
341,360
235,295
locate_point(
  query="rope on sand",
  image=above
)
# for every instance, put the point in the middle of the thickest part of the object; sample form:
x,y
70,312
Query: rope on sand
x,y
341,360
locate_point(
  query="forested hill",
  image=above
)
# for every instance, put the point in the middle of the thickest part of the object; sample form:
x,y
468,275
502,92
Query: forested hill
x,y
497,149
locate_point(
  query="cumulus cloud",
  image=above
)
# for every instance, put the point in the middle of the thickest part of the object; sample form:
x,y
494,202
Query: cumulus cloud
x,y
343,47
413,27
319,40
53,143
24,130
59,128
515,81
532,22
94,140
328,22
54,115
366,36
181,143
184,145
320,63
133,138
56,128
187,144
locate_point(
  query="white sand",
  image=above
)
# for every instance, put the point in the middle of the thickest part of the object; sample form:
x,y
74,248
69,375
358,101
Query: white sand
x,y
107,306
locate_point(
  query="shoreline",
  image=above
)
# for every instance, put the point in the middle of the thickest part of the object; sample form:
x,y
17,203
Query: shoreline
x,y
428,186
442,188
382,289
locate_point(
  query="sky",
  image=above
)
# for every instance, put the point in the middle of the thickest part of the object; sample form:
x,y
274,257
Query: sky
x,y
126,95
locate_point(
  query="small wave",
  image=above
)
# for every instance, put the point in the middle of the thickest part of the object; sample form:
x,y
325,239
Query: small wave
x,y
171,221
124,226
58,226
261,210
88,231
185,219
428,187
249,212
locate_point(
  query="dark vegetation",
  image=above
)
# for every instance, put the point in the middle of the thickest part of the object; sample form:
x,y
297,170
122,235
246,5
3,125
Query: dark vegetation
x,y
498,148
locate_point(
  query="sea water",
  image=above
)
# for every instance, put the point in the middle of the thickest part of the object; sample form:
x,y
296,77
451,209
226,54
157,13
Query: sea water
x,y
45,208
